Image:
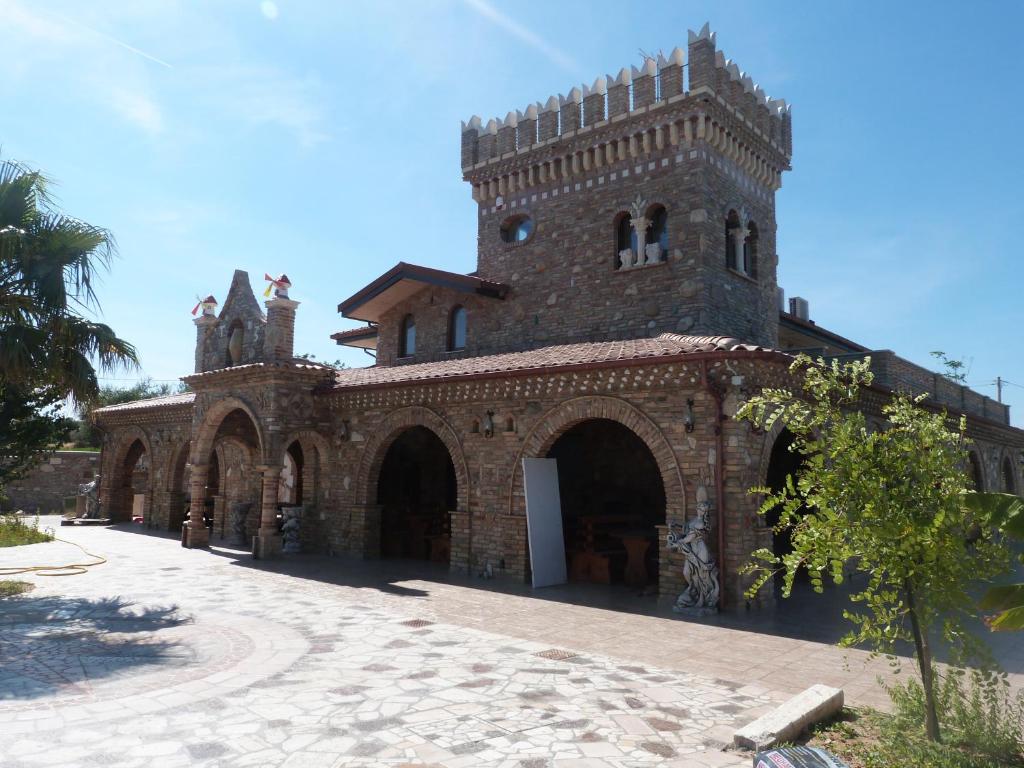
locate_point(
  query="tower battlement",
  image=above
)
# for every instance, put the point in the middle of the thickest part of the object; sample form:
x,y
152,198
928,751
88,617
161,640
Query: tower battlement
x,y
703,96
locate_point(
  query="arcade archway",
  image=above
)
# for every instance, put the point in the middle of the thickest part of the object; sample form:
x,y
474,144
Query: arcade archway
x,y
612,497
416,491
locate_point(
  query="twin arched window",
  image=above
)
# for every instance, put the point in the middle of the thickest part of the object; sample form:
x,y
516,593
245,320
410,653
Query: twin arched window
x,y
741,245
456,332
633,251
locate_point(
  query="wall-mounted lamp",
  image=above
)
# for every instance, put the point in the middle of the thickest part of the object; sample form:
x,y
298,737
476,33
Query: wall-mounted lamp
x,y
688,420
489,424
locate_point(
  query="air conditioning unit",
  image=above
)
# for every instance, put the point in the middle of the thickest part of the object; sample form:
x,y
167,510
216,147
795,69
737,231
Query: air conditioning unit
x,y
800,309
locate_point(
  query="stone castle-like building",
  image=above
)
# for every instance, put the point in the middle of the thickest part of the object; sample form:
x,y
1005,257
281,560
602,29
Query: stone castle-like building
x,y
624,304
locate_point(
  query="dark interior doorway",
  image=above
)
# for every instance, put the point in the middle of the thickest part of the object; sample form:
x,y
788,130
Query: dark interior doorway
x,y
416,490
135,482
612,498
783,463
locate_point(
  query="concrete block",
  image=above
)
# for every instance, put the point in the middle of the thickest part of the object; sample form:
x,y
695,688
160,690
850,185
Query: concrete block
x,y
787,721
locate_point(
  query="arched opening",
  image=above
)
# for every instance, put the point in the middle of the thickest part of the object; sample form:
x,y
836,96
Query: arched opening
x,y
178,490
134,491
457,328
416,489
975,475
233,484
516,229
289,491
236,343
783,464
1009,481
657,234
625,241
612,498
733,225
407,337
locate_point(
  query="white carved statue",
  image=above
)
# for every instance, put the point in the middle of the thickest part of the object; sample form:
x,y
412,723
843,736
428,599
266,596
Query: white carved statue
x,y
699,569
652,253
626,258
91,491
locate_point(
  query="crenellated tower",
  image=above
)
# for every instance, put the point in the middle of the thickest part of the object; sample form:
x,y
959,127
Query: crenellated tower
x,y
640,203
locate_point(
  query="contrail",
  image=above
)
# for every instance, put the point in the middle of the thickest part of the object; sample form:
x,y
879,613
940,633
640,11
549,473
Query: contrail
x,y
528,36
110,39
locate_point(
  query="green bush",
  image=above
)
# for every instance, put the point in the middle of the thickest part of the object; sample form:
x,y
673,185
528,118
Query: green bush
x,y
15,531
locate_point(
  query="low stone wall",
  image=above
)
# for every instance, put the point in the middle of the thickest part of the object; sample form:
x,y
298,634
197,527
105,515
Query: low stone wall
x,y
45,487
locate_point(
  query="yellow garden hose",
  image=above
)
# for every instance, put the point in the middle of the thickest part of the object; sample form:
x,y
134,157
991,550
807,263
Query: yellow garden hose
x,y
72,569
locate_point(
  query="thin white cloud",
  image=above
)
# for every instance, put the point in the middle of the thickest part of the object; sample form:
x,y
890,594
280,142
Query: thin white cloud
x,y
526,35
137,108
269,9
269,96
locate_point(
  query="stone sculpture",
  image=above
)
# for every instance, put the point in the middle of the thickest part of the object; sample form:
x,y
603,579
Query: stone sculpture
x,y
700,596
290,529
91,492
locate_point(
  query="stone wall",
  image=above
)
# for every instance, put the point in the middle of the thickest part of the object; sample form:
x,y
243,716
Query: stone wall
x,y
56,478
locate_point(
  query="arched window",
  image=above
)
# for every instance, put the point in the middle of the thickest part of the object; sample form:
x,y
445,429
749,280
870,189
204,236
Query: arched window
x,y
457,329
750,250
1009,481
625,242
732,227
407,337
975,475
517,229
657,235
236,342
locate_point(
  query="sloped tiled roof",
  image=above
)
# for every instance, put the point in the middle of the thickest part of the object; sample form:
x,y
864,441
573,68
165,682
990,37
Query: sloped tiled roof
x,y
167,401
545,358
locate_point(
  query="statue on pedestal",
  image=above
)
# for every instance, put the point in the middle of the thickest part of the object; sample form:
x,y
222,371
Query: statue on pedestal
x,y
700,597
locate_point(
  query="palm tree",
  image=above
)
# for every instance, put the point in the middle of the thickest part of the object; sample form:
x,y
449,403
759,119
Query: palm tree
x,y
48,264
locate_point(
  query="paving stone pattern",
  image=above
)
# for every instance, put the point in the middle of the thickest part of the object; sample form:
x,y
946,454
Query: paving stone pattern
x,y
172,657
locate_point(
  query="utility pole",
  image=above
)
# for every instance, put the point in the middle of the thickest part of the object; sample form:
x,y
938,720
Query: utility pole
x,y
999,389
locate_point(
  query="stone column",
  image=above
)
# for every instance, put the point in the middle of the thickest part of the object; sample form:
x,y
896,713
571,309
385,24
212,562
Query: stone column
x,y
196,532
460,558
267,542
740,239
640,225
204,324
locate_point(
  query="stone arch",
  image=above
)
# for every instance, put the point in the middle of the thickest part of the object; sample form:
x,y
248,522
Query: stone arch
x,y
384,434
307,438
1007,470
118,505
568,414
975,466
211,420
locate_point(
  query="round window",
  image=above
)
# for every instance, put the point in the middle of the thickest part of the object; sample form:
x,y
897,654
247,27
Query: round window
x,y
517,229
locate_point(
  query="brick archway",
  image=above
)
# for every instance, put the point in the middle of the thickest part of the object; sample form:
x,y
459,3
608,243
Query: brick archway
x,y
211,420
385,433
1006,462
565,416
116,499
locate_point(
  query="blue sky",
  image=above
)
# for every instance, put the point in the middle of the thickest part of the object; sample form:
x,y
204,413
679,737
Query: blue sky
x,y
322,139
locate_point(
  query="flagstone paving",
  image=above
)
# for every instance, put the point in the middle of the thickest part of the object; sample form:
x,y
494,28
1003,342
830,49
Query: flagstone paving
x,y
168,657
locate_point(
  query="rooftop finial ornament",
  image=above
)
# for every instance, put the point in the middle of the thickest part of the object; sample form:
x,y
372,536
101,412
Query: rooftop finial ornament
x,y
279,285
208,305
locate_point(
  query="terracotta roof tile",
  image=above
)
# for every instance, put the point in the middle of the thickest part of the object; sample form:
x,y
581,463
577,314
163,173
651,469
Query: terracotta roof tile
x,y
587,353
167,401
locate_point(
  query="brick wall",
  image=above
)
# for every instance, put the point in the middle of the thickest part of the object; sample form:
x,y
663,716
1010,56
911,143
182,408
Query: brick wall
x,y
46,487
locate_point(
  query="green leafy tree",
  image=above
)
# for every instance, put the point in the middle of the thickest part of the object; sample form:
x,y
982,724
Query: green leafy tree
x,y
887,503
50,350
87,435
1006,601
31,426
48,266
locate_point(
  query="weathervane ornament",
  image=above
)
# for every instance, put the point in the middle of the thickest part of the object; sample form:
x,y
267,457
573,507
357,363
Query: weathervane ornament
x,y
279,285
208,305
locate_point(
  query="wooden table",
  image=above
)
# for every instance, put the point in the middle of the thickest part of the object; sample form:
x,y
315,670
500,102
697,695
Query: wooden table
x,y
636,543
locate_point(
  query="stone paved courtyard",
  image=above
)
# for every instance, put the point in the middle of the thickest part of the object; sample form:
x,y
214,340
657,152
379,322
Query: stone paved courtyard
x,y
166,657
